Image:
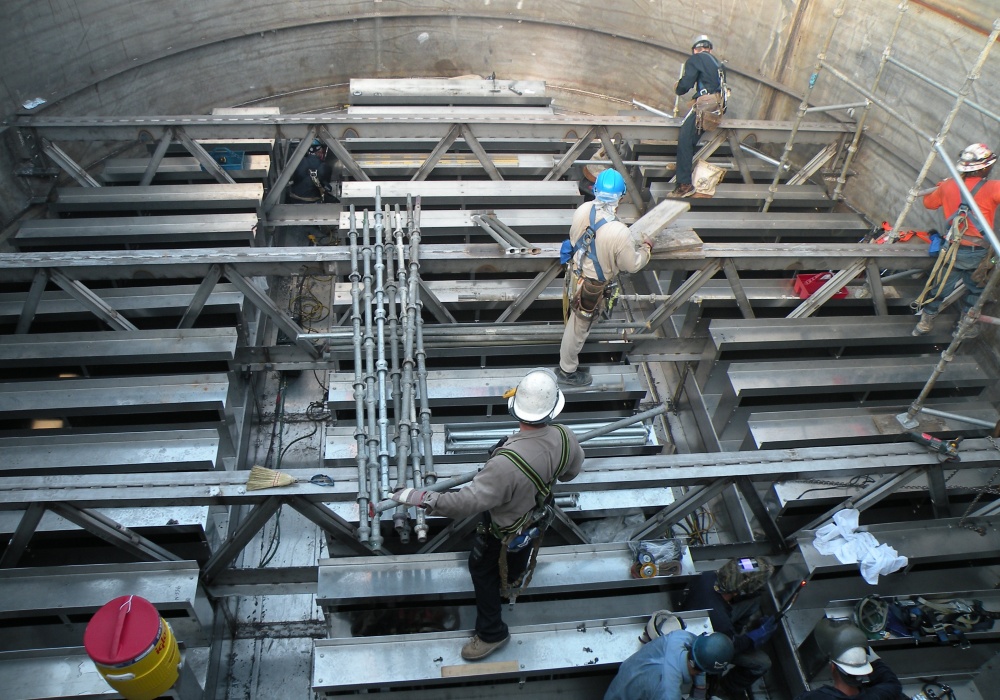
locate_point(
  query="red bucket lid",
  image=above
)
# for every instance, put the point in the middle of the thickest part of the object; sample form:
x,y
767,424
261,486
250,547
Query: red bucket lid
x,y
122,631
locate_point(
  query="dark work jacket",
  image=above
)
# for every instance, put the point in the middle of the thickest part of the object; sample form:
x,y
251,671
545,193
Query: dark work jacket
x,y
701,595
701,71
302,184
882,685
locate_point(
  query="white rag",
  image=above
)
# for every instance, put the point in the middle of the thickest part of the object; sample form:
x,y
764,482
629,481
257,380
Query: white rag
x,y
842,539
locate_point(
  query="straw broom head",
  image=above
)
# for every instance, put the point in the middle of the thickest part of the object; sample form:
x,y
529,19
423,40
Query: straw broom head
x,y
261,478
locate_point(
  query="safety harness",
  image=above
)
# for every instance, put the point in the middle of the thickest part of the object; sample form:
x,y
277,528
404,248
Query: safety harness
x,y
540,516
958,225
948,620
585,297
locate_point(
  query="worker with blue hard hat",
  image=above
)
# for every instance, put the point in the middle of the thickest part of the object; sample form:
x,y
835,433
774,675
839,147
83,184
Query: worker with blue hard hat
x,y
669,665
599,247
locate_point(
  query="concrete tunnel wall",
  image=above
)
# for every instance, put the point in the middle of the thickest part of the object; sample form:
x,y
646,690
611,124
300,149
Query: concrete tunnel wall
x,y
129,57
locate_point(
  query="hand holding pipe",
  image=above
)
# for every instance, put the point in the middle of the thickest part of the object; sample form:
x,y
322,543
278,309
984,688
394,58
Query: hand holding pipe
x,y
446,484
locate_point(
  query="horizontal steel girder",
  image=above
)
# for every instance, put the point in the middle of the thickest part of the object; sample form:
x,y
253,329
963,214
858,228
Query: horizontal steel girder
x,y
296,126
641,471
441,259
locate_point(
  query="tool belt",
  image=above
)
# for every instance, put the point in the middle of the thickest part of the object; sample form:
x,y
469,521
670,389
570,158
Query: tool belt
x,y
708,111
588,298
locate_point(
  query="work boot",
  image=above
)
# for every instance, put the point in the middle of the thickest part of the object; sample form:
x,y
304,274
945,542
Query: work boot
x,y
925,324
476,648
576,378
682,191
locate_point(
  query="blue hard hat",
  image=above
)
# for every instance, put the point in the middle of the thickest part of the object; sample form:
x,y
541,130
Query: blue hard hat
x,y
610,186
711,652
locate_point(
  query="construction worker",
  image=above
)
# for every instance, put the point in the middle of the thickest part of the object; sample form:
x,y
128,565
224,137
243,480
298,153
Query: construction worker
x,y
857,672
513,491
704,73
975,164
311,181
599,247
731,595
669,665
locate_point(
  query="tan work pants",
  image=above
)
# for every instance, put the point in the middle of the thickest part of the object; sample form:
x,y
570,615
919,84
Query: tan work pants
x,y
574,336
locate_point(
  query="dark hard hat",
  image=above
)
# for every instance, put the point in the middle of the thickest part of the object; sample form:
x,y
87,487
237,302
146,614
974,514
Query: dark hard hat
x,y
711,652
743,576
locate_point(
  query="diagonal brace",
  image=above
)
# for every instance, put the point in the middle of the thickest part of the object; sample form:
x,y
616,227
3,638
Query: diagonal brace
x,y
114,533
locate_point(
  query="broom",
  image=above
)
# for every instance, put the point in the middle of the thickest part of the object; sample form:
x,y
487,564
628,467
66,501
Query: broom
x,y
263,478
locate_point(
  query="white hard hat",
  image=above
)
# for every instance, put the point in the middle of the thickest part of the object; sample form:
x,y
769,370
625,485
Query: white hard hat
x,y
661,623
537,398
976,156
853,662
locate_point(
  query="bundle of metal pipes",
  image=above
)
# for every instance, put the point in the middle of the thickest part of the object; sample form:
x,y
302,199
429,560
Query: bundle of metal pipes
x,y
389,295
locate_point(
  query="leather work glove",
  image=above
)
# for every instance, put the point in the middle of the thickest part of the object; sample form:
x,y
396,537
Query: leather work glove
x,y
763,632
410,497
648,240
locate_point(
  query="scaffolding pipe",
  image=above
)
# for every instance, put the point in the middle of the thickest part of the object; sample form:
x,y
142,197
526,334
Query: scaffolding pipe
x,y
943,132
381,366
823,294
392,290
446,484
364,530
830,108
478,330
859,128
375,540
962,419
420,471
508,248
909,419
404,421
772,189
947,90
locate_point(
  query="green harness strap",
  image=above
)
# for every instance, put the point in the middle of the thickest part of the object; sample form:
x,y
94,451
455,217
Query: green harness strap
x,y
543,488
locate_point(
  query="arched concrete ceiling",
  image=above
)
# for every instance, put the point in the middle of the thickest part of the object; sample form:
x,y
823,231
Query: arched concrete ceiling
x,y
112,57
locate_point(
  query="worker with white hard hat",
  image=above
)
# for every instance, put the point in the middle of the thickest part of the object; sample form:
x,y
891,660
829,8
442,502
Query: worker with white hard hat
x,y
513,491
857,672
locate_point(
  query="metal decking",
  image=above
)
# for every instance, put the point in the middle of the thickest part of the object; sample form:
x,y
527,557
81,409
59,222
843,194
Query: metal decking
x,y
203,348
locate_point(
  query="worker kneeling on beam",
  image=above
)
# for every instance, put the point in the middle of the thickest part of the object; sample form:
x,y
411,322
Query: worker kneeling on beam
x,y
513,491
856,670
732,597
671,664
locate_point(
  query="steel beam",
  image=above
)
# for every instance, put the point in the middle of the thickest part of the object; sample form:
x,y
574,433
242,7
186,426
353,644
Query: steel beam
x,y
202,156
94,303
111,532
530,293
602,473
62,159
200,297
154,161
238,539
481,153
300,126
440,259
343,155
30,307
267,306
18,543
454,131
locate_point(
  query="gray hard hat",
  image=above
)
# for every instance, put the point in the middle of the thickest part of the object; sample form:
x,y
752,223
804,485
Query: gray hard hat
x,y
701,42
834,637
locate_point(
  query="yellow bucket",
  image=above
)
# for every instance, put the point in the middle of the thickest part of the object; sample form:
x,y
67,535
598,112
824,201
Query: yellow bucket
x,y
133,648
